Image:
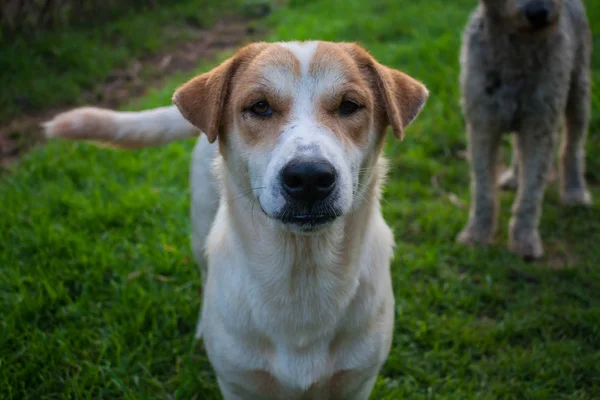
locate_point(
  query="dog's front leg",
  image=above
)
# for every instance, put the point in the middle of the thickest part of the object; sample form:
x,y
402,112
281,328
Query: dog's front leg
x,y
483,151
572,155
536,142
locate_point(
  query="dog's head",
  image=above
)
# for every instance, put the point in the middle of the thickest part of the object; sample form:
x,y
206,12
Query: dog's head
x,y
530,16
300,125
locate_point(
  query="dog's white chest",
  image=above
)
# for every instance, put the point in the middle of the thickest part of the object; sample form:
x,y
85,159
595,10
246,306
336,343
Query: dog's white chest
x,y
297,369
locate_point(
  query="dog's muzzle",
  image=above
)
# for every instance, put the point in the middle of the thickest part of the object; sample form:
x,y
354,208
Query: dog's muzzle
x,y
309,187
538,14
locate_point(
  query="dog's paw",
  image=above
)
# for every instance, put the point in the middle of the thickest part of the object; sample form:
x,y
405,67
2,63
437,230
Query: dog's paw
x,y
475,237
508,180
526,244
579,197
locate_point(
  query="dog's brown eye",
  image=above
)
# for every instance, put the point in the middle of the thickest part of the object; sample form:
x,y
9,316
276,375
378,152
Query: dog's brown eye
x,y
348,107
261,109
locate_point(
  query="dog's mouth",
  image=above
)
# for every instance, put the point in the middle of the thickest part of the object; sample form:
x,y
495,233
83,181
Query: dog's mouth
x,y
542,28
308,220
539,29
305,220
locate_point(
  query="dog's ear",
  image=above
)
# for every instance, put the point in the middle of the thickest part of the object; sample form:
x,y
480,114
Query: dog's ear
x,y
403,97
202,100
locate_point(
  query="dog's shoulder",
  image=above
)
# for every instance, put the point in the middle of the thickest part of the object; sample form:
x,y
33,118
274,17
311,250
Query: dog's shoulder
x,y
475,27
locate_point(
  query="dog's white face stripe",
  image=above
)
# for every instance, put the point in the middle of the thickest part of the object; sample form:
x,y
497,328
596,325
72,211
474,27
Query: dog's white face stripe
x,y
304,53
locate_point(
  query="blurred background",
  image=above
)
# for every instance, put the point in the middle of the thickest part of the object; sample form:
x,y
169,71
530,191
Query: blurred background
x,y
99,293
67,52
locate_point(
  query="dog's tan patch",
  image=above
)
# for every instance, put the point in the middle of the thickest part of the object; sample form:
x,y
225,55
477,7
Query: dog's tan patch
x,y
269,78
400,96
344,83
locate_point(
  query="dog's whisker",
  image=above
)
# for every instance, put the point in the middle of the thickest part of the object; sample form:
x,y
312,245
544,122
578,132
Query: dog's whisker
x,y
247,193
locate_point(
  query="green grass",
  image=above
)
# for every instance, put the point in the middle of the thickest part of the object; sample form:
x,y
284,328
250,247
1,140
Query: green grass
x,y
55,67
99,295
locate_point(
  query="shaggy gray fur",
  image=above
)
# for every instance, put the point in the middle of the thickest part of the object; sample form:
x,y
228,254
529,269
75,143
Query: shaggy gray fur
x,y
531,82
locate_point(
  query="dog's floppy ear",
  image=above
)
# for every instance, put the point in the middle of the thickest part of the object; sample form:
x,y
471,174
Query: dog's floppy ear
x,y
202,100
403,97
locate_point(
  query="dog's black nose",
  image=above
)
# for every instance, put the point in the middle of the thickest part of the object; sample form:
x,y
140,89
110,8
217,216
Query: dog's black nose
x,y
308,180
538,14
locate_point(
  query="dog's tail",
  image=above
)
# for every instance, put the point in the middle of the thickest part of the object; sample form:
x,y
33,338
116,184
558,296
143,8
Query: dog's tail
x,y
126,130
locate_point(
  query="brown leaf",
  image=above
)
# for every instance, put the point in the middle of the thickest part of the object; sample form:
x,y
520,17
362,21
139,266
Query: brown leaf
x,y
454,199
134,275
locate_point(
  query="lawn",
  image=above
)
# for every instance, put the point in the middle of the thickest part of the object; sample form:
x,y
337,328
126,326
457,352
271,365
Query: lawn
x,y
99,292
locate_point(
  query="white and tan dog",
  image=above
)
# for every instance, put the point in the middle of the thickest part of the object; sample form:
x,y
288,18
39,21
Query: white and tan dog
x,y
298,302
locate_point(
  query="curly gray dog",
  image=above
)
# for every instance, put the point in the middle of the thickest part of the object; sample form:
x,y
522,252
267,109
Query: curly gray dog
x,y
526,70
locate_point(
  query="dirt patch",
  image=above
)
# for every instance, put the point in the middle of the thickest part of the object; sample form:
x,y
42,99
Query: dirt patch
x,y
21,133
